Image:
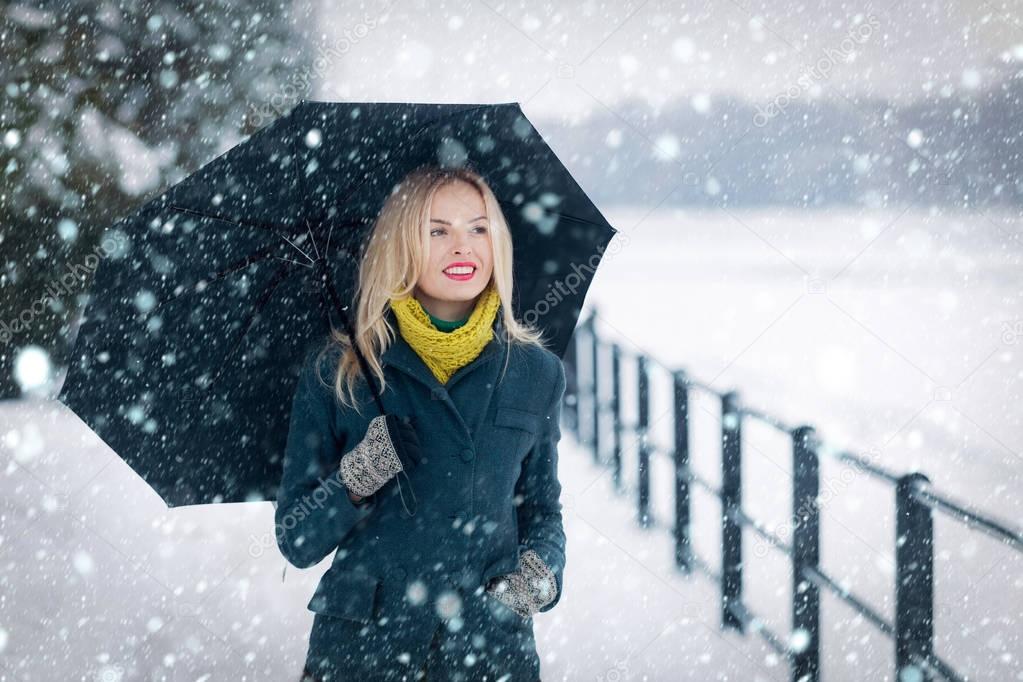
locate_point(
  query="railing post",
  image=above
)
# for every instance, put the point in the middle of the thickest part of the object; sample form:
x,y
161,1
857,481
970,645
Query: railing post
x,y
644,442
805,553
595,386
683,540
616,406
731,502
914,581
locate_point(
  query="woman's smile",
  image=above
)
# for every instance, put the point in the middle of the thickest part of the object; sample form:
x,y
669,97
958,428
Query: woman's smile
x,y
460,272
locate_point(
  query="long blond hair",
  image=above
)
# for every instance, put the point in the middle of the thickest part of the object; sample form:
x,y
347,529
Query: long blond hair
x,y
391,265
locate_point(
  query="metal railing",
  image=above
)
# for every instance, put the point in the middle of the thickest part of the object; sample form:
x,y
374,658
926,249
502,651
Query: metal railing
x,y
912,631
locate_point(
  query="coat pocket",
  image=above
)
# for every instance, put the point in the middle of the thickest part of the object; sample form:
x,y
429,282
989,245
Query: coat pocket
x,y
504,614
516,429
518,419
346,594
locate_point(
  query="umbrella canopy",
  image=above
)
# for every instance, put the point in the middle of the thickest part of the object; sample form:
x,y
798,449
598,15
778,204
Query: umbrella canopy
x,y
193,337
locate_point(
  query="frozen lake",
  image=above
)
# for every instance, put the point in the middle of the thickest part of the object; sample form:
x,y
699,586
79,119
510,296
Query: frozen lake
x,y
899,331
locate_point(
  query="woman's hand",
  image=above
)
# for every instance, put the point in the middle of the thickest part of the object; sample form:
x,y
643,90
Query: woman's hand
x,y
528,589
389,446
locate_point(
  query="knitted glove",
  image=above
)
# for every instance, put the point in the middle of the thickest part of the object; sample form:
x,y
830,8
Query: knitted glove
x,y
390,446
528,589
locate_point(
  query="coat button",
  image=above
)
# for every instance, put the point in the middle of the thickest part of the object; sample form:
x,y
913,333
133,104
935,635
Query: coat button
x,y
468,454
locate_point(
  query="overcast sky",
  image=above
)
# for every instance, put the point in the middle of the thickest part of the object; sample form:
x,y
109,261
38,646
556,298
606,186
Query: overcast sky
x,y
568,58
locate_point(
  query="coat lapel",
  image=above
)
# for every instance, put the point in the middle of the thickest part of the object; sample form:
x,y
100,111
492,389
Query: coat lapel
x,y
404,358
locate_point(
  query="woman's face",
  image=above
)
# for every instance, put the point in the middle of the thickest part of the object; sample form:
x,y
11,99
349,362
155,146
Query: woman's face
x,y
459,259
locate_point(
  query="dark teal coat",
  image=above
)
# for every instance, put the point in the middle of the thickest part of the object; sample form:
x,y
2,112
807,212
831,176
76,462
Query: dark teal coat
x,y
402,588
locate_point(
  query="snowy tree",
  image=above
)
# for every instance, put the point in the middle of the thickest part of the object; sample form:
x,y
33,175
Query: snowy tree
x,y
105,105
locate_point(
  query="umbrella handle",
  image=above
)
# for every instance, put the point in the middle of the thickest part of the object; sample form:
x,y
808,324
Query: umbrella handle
x,y
336,299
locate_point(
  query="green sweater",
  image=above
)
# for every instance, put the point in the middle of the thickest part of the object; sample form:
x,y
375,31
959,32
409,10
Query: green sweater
x,y
447,325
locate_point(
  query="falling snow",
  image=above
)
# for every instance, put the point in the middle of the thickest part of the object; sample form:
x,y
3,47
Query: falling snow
x,y
819,208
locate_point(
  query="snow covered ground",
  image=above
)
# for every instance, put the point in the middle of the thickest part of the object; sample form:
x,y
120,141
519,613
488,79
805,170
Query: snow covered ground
x,y
912,354
897,335
101,582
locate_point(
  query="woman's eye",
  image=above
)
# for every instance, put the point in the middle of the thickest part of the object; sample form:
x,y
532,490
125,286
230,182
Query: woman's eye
x,y
440,230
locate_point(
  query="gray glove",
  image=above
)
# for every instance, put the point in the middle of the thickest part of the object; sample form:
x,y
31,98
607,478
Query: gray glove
x,y
389,446
528,589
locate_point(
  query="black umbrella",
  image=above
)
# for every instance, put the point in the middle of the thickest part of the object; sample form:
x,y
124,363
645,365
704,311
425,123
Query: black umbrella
x,y
189,352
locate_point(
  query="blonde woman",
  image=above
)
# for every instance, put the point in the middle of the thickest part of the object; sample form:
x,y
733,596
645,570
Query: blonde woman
x,y
444,512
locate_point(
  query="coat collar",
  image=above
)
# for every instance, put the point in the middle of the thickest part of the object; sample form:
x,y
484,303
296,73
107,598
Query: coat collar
x,y
402,356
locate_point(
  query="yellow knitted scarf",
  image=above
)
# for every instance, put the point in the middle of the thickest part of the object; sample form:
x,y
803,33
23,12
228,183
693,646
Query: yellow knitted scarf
x,y
445,352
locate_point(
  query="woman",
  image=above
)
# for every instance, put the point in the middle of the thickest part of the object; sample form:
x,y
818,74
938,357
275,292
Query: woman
x,y
443,588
